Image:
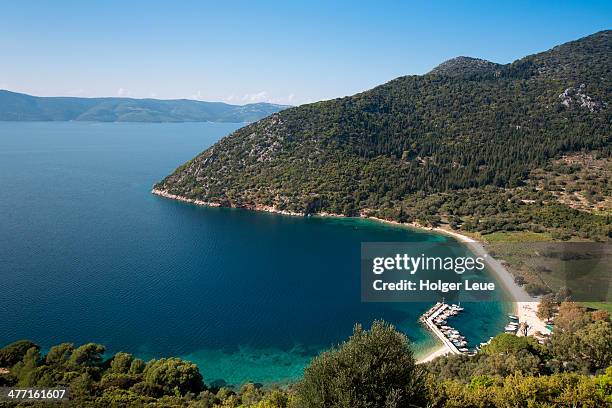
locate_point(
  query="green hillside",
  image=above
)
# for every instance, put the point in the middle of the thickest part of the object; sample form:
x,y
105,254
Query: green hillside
x,y
22,107
456,145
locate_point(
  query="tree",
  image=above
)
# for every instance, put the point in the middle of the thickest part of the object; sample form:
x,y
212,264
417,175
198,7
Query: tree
x,y
14,352
250,395
26,370
571,317
174,375
546,307
506,343
59,355
504,364
137,366
275,399
87,355
121,363
601,314
596,343
564,294
82,385
567,354
373,368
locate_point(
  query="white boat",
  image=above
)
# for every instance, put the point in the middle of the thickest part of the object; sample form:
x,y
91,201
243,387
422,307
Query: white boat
x,y
513,317
463,350
510,328
440,322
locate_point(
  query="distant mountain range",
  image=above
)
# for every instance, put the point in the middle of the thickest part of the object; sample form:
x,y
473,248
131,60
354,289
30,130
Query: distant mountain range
x,y
21,107
458,145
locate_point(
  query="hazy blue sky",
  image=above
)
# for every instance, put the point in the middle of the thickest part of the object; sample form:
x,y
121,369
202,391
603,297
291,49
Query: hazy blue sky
x,y
279,51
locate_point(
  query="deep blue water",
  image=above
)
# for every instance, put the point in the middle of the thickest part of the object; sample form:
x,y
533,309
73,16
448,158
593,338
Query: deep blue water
x,y
88,254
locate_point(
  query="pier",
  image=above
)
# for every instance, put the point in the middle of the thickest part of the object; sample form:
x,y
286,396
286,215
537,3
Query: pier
x,y
435,320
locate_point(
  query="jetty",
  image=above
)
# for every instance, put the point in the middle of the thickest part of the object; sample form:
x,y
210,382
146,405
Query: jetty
x,y
436,320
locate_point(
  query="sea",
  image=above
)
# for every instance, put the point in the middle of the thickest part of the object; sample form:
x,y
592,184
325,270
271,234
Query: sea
x,y
88,254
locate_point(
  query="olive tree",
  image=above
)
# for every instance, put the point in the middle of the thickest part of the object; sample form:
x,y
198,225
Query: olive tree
x,y
373,368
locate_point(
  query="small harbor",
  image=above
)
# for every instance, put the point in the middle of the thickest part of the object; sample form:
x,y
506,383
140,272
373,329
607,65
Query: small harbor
x,y
436,320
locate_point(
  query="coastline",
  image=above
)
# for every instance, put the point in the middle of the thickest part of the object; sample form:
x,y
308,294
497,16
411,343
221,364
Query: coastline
x,y
432,355
524,306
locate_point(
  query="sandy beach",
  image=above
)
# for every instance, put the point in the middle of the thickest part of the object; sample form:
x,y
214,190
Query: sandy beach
x,y
442,351
525,306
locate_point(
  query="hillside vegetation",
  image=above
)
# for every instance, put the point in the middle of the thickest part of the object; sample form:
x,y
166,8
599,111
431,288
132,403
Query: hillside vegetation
x,y
456,146
374,368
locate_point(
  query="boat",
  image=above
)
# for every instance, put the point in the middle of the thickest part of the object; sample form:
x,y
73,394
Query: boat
x,y
463,350
511,328
513,317
440,322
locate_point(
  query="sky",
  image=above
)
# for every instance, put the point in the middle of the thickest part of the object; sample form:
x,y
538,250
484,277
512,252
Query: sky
x,y
286,52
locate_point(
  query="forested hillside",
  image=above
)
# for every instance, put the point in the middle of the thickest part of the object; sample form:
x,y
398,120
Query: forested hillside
x,y
21,107
470,131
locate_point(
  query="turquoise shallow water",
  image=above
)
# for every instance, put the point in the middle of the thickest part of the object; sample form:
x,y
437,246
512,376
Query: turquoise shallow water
x,y
88,254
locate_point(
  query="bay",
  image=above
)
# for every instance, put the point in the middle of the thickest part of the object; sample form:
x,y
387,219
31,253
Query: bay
x,y
88,254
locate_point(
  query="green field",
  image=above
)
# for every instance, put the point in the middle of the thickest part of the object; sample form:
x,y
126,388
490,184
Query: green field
x,y
607,306
517,237
547,267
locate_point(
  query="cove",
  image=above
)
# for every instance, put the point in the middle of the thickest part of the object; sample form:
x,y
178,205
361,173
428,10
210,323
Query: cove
x,y
88,254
